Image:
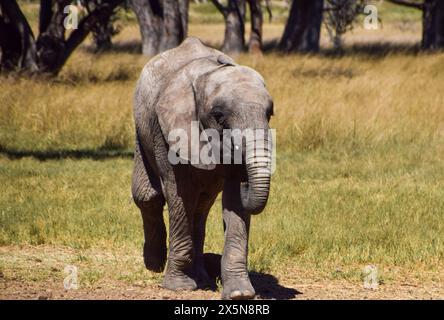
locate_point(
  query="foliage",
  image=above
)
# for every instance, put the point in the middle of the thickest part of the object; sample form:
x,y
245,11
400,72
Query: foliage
x,y
339,17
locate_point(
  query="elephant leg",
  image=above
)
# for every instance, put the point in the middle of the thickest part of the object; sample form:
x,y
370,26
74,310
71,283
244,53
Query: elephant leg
x,y
181,204
147,195
235,280
154,247
200,219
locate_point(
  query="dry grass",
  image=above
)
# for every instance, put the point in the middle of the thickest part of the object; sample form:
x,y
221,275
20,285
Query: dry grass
x,y
360,102
360,167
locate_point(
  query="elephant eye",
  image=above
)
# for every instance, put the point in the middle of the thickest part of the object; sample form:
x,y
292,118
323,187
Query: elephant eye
x,y
218,115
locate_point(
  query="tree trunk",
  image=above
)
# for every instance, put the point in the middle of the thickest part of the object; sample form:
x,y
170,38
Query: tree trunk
x,y
51,44
103,31
173,23
234,38
255,43
49,53
184,6
234,16
303,28
149,16
16,39
45,15
102,35
433,24
163,23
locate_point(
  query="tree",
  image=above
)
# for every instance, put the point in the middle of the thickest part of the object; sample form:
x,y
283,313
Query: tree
x,y
21,51
163,23
256,17
234,16
103,31
432,21
234,13
433,24
339,17
303,28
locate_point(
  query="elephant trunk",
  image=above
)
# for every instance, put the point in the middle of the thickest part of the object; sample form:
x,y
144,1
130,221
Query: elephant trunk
x,y
254,193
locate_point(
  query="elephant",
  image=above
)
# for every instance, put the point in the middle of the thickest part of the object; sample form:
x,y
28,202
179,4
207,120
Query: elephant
x,y
196,83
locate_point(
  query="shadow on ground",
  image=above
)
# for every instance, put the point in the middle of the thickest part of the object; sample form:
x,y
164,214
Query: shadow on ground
x,y
95,154
266,285
130,47
369,50
375,49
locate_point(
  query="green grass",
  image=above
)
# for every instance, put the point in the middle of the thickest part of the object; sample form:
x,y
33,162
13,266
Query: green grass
x,y
359,180
390,12
325,209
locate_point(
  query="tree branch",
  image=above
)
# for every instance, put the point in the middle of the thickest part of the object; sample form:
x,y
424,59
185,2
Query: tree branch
x,y
219,6
17,19
408,3
86,25
239,12
268,7
45,15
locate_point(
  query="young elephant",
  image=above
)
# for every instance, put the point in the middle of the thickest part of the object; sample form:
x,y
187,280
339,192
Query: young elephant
x,y
196,83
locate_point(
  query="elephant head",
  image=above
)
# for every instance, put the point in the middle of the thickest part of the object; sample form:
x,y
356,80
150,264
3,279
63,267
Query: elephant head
x,y
220,95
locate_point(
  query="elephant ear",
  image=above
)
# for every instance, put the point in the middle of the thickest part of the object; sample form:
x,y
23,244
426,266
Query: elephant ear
x,y
177,115
225,60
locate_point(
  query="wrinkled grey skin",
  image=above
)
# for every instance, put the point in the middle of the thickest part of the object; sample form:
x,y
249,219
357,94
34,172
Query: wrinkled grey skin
x,y
176,87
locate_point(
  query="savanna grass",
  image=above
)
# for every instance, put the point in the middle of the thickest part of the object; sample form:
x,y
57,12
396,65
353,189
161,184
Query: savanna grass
x,y
360,170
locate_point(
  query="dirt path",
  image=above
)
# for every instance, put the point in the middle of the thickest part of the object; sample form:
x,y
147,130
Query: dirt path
x,y
38,273
297,289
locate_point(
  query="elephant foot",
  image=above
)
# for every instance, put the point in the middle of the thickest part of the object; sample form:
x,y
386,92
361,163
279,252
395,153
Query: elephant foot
x,y
179,281
238,289
154,256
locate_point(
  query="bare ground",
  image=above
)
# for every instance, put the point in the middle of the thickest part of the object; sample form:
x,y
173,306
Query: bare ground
x,y
299,290
23,276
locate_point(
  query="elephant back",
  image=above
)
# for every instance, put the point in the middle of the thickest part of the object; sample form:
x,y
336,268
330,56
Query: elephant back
x,y
159,70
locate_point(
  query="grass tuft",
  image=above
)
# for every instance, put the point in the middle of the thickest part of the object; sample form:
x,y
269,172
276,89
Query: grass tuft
x,y
360,170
